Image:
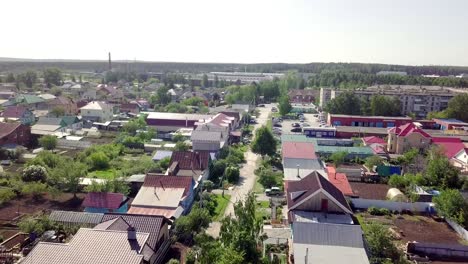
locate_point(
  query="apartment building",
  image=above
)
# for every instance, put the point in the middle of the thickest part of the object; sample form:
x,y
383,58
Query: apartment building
x,y
419,100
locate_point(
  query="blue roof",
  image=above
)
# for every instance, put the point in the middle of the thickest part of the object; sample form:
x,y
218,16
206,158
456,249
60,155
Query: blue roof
x,y
161,154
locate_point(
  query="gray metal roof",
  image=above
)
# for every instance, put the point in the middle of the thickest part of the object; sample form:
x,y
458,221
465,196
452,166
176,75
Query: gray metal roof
x,y
311,164
328,234
212,136
76,217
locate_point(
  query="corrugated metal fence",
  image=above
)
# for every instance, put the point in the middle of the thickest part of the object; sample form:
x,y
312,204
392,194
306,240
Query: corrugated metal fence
x,y
390,205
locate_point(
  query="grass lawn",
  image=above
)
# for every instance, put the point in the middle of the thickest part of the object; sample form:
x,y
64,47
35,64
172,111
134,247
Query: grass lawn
x,y
221,207
263,204
108,174
258,188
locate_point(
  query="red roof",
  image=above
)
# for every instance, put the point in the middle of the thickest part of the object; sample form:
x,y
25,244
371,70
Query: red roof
x,y
103,200
8,128
378,148
373,139
408,129
16,111
450,145
299,150
187,160
137,210
340,181
165,181
220,120
298,191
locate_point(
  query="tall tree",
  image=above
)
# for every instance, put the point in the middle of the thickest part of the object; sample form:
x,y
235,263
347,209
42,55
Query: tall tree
x,y
10,78
440,172
243,232
457,107
451,204
381,105
52,76
264,142
338,158
284,105
29,78
346,103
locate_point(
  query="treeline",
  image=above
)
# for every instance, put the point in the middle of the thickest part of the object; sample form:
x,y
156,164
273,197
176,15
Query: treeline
x,y
163,67
348,103
340,79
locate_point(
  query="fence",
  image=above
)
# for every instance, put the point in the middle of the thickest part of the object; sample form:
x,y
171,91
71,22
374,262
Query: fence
x,y
458,228
69,144
393,206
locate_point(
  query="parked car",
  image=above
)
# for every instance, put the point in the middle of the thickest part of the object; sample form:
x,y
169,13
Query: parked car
x,y
261,105
273,191
277,125
295,125
305,124
296,129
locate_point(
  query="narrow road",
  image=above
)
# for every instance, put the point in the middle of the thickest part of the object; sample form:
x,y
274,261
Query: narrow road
x,y
247,176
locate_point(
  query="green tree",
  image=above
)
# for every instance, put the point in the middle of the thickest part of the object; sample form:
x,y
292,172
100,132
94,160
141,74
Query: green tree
x,y
29,78
162,96
267,178
264,142
232,174
457,107
181,146
70,173
217,169
34,173
52,76
10,78
338,158
284,106
373,160
178,137
451,204
48,142
205,81
382,105
57,111
36,189
243,232
441,173
380,244
135,124
193,223
346,103
98,160
164,163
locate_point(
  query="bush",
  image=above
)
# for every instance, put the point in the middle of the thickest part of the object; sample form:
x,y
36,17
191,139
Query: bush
x,y
378,211
6,195
232,174
38,226
98,161
48,142
36,189
208,185
398,181
34,173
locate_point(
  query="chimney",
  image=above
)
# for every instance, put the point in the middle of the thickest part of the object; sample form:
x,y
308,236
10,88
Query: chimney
x,y
160,182
131,233
110,62
298,176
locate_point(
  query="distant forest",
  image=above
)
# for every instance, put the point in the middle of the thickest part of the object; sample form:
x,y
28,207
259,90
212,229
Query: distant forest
x,y
16,65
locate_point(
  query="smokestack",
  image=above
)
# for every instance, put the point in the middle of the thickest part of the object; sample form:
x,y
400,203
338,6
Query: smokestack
x,y
131,233
110,62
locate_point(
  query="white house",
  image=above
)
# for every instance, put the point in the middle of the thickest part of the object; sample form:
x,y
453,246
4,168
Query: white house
x,y
97,111
460,160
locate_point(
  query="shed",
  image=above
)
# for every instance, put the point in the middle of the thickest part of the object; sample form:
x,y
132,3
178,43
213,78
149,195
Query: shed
x,y
396,195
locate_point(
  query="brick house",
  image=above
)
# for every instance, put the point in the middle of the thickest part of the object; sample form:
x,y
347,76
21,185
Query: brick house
x,y
14,133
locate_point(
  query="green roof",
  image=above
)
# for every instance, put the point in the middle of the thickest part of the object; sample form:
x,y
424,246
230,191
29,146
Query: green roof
x,y
69,120
296,138
28,99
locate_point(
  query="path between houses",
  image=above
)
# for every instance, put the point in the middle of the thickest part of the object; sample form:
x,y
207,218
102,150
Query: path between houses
x,y
247,176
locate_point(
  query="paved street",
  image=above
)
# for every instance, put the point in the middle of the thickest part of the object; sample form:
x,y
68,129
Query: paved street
x,y
247,176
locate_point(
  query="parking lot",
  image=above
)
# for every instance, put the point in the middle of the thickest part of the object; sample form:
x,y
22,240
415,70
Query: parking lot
x,y
309,119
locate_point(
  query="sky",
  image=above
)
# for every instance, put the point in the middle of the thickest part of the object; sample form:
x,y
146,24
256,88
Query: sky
x,y
409,32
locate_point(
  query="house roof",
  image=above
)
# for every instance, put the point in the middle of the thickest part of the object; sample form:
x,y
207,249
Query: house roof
x,y
157,211
373,139
340,181
302,150
39,129
312,164
69,120
142,223
161,197
177,116
234,114
103,200
27,99
450,145
8,128
328,243
161,154
407,129
91,246
299,191
95,105
61,100
76,217
201,135
221,120
165,181
187,160
15,111
52,121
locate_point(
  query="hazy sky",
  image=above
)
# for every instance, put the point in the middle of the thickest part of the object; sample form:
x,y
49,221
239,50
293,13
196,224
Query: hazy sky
x,y
393,31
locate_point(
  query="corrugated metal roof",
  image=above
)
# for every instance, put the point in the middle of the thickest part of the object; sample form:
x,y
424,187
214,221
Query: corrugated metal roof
x,y
91,246
328,234
300,150
312,254
313,164
76,217
206,136
161,154
177,116
103,200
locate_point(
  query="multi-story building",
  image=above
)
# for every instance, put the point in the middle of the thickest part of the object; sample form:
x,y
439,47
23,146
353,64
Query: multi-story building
x,y
419,100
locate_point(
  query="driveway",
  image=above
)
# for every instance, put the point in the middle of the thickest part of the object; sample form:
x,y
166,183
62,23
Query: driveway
x,y
247,176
